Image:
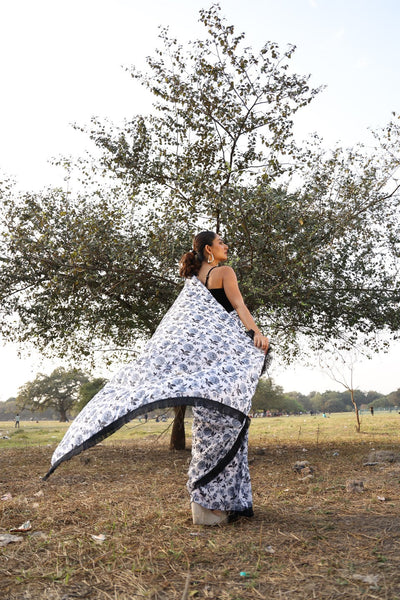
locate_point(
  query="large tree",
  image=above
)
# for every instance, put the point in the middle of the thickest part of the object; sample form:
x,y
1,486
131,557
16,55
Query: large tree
x,y
313,233
60,391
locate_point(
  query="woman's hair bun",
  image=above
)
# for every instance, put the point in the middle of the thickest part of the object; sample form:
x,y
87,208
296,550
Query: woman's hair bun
x,y
191,261
189,264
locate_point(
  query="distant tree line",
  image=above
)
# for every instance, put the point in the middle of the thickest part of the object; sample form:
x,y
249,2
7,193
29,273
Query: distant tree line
x,y
60,395
10,408
63,394
271,397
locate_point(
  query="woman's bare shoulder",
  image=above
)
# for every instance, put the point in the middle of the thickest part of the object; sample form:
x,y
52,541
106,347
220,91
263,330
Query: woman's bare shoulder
x,y
227,272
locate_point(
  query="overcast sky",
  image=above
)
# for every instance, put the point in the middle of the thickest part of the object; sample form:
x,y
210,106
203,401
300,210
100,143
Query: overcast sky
x,y
62,62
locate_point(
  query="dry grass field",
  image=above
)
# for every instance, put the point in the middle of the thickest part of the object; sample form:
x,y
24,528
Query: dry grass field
x,y
312,535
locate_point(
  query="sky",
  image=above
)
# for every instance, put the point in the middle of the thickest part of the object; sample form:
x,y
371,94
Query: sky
x,y
62,62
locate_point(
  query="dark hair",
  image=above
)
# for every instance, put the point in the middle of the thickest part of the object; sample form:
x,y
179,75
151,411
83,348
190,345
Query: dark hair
x,y
190,262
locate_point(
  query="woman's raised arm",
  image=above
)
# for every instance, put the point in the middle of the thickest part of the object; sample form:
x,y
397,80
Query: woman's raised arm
x,y
231,287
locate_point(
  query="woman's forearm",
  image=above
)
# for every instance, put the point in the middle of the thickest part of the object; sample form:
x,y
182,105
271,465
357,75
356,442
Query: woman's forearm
x,y
246,318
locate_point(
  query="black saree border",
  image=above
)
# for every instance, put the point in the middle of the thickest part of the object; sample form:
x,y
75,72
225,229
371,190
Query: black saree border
x,y
225,460
141,410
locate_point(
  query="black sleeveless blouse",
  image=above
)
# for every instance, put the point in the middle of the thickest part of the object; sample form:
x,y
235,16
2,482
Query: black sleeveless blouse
x,y
219,294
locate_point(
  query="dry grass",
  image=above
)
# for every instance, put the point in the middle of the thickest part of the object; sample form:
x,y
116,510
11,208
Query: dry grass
x,y
308,539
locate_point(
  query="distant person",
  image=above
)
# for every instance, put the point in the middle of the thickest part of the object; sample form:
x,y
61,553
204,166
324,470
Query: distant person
x,y
16,421
371,408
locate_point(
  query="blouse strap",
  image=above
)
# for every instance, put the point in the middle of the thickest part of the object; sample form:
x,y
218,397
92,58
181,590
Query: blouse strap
x,y
208,275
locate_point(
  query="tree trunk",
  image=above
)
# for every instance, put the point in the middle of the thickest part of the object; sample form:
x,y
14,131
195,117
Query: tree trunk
x,y
177,441
358,426
63,414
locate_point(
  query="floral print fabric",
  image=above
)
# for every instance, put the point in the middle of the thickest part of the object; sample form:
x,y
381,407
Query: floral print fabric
x,y
213,435
199,355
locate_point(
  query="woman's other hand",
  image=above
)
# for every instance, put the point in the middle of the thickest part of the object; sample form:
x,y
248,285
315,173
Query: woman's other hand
x,y
260,341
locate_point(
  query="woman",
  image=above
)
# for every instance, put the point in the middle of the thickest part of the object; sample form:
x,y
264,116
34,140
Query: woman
x,y
201,356
228,494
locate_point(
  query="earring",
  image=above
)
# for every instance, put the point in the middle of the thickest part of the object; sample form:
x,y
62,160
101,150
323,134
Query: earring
x,y
210,258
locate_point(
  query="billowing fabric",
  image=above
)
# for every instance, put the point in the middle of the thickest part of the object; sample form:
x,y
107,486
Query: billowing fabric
x,y
199,355
213,435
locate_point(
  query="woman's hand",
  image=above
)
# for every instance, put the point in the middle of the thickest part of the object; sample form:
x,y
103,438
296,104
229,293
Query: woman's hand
x,y
260,341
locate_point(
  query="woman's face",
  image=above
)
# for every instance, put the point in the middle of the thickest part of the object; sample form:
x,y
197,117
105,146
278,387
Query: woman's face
x,y
219,249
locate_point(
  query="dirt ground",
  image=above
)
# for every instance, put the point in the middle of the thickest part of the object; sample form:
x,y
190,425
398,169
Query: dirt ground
x,y
309,538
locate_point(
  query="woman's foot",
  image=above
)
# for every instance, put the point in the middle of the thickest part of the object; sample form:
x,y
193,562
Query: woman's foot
x,y
205,516
233,515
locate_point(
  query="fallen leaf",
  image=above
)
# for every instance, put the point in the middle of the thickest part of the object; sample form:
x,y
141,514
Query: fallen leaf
x,y
22,528
98,538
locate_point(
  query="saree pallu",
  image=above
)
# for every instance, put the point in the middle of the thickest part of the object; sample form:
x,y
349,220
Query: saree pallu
x,y
199,355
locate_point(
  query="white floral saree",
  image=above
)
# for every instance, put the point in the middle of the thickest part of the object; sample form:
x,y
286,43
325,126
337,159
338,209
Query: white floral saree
x,y
201,356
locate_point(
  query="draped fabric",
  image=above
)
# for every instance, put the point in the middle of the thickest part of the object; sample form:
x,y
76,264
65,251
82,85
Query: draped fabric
x,y
199,355
219,475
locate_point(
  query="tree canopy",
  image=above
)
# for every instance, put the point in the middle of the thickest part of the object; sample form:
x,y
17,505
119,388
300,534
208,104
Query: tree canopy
x,y
87,390
313,233
60,391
